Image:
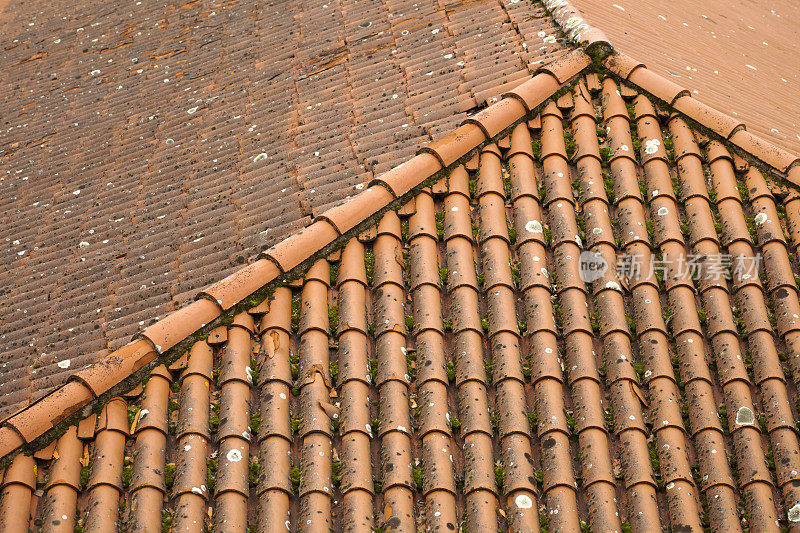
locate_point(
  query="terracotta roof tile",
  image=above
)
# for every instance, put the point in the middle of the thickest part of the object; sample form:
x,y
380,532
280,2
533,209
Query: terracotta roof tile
x,y
455,363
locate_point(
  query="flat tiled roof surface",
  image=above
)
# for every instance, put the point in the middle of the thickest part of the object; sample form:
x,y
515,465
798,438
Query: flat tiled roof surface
x,y
740,57
452,368
148,150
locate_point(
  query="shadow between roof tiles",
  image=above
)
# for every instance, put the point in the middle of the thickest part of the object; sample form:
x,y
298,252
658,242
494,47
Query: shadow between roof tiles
x,y
453,367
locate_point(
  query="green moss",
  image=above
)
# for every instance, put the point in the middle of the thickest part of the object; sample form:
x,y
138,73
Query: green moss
x,y
127,475
213,419
211,474
455,424
609,416
404,230
500,476
295,477
571,423
536,146
255,423
419,478
253,471
605,154
451,371
166,521
369,265
569,143
334,273
409,322
85,471
533,420
473,186
336,473
495,421
443,276
373,369
439,216
654,461
169,474
296,424
333,318
334,370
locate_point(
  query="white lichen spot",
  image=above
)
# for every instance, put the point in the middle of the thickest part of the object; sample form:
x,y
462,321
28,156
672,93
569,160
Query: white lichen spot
x,y
63,364
260,157
624,148
95,72
597,231
794,513
745,416
197,490
761,218
83,244
533,226
249,372
651,146
234,456
524,501
613,285
670,485
192,110
663,211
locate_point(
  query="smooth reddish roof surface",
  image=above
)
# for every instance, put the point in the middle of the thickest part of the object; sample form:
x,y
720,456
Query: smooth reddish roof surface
x,y
740,57
149,150
451,369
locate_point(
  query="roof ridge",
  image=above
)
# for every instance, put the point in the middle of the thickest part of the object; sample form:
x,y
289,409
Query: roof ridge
x,y
247,289
716,124
730,131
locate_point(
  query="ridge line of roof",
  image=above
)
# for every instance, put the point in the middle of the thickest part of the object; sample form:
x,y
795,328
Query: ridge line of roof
x,y
716,124
730,131
246,290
